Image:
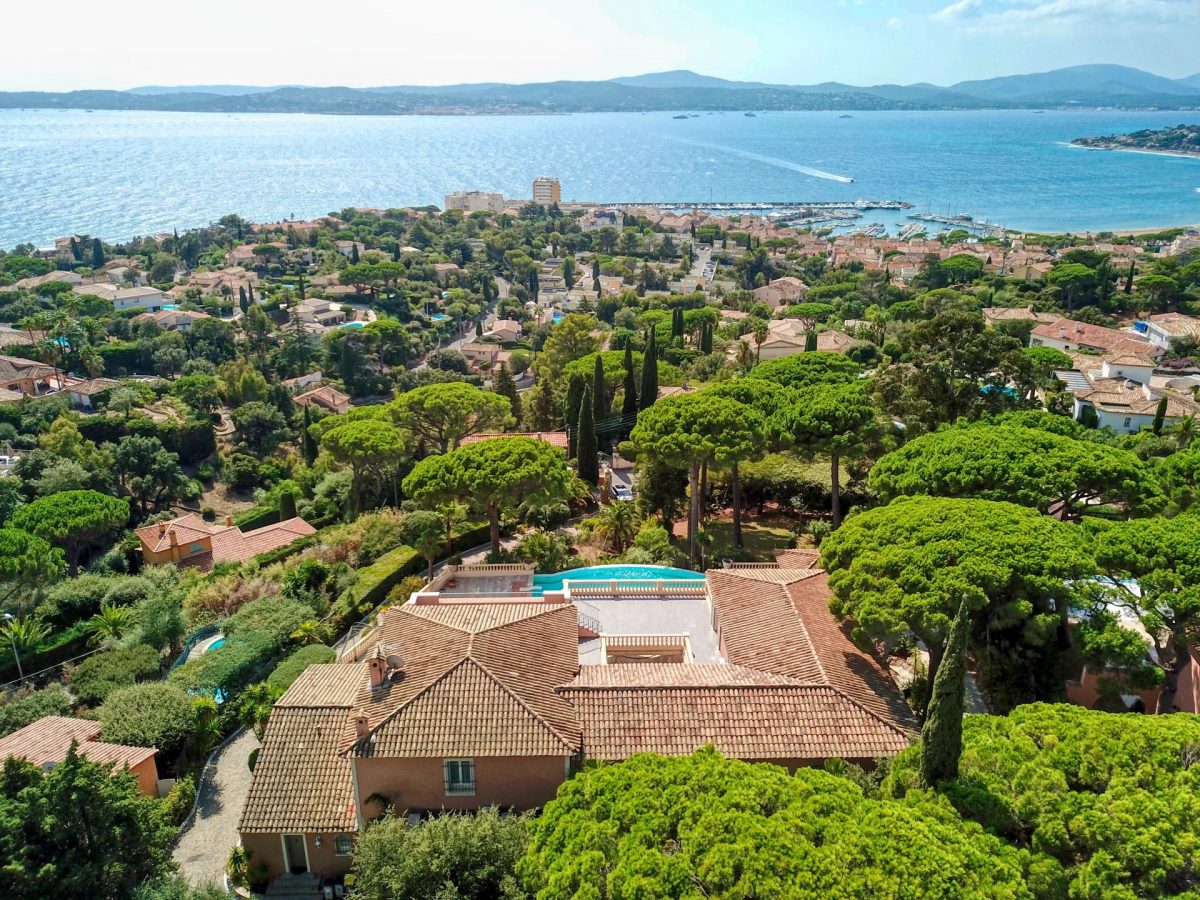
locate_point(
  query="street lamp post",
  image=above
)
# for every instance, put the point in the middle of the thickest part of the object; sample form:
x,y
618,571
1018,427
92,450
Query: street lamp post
x,y
17,656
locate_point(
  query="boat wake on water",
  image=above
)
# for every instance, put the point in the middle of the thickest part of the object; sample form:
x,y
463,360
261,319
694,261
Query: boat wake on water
x,y
772,161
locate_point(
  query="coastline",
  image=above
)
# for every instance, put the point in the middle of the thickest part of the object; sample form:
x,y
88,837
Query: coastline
x,y
1117,148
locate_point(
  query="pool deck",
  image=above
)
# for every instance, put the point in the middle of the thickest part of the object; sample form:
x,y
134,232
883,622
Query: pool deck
x,y
672,615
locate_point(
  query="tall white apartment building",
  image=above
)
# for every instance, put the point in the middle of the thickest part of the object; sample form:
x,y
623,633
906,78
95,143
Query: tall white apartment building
x,y
546,191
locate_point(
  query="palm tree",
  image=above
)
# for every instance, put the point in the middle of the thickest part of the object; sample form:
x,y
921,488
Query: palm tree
x,y
744,357
25,634
616,524
108,625
255,705
760,337
1185,431
310,632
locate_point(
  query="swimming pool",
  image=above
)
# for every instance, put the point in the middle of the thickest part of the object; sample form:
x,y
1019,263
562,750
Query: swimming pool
x,y
215,644
554,582
355,325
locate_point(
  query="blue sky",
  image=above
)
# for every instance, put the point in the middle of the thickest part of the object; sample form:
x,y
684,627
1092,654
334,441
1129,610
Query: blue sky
x,y
373,42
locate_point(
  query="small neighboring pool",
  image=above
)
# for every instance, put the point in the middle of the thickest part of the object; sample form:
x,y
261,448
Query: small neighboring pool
x,y
557,317
555,581
440,317
355,325
215,644
169,306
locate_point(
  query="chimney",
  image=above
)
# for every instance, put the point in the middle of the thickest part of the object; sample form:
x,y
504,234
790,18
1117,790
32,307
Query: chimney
x,y
362,725
174,538
1062,331
162,528
228,521
377,668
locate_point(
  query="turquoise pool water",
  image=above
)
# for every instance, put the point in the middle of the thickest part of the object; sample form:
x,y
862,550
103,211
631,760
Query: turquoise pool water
x,y
355,325
555,581
215,644
440,317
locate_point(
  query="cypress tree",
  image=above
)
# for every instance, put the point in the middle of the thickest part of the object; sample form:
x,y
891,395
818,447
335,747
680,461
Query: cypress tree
x,y
1160,413
588,462
309,443
542,411
250,293
571,413
1129,279
97,254
596,275
810,342
649,392
504,385
677,322
243,302
706,336
76,253
599,391
478,329
629,407
354,253
287,506
941,737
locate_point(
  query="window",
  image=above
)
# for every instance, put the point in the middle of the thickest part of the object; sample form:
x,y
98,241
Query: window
x,y
342,845
460,776
1127,421
195,548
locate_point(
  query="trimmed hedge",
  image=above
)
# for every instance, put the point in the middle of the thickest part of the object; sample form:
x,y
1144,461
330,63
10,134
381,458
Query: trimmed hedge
x,y
371,586
274,618
61,646
257,517
102,673
228,668
291,667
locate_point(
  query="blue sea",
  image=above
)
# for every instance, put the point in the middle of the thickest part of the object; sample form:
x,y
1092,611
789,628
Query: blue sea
x,y
118,174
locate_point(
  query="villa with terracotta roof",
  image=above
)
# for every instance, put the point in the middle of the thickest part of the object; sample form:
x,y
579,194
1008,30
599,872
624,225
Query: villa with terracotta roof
x,y
190,541
1124,392
45,743
25,376
327,397
1068,335
488,688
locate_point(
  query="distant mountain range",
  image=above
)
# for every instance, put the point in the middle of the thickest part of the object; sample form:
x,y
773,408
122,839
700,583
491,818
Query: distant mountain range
x,y
1077,86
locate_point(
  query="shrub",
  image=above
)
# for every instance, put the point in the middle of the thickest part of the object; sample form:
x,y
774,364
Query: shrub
x,y
102,673
289,670
22,708
129,591
272,618
407,586
178,803
221,596
154,714
74,598
376,580
227,669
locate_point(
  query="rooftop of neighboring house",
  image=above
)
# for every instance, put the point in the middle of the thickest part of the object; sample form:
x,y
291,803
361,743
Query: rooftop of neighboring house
x,y
994,314
46,742
1098,337
89,387
553,438
171,318
1176,324
17,367
326,396
228,542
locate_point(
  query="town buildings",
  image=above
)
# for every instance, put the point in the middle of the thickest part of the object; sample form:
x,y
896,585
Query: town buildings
x,y
481,691
475,201
546,191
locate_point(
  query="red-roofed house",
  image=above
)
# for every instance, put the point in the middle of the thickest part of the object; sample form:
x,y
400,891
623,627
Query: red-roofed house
x,y
45,744
1068,335
190,541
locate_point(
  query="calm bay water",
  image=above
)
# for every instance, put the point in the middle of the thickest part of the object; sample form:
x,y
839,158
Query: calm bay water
x,y
119,174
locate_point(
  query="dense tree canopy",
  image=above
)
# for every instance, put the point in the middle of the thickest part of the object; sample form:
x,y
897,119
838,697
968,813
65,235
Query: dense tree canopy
x,y
26,559
441,415
906,568
1111,799
1050,472
806,369
78,831
468,856
497,474
704,826
73,520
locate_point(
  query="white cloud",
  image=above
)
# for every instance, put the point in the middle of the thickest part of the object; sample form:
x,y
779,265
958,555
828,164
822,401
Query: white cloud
x,y
894,23
1007,16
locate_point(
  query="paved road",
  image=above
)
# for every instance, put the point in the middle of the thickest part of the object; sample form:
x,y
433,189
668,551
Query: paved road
x,y
204,847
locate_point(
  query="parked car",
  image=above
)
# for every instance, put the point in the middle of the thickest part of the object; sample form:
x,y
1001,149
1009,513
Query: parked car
x,y
622,492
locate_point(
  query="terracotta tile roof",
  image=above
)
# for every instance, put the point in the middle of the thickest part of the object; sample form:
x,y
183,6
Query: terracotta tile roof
x,y
671,675
1096,336
229,543
301,783
800,558
786,722
326,685
788,629
47,741
326,396
15,367
553,438
478,678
